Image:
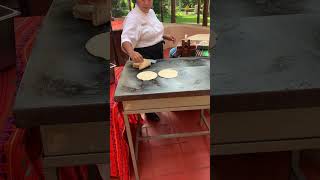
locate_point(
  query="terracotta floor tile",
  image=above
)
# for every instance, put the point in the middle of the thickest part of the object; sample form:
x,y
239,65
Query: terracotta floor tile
x,y
161,129
166,157
195,144
146,172
197,160
178,176
201,174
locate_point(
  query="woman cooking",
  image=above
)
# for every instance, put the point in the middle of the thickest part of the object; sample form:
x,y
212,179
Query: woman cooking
x,y
143,36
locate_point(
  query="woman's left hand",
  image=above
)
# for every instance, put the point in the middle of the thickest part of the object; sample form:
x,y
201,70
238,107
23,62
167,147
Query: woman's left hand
x,y
170,38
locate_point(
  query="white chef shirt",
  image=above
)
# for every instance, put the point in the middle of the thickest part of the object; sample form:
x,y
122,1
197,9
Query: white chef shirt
x,y
142,29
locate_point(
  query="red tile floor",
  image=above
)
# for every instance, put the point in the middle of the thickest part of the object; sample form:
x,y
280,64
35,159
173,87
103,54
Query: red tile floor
x,y
179,158
188,158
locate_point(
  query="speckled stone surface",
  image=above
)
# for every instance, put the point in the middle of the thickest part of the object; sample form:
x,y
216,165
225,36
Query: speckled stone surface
x,y
266,63
193,79
62,82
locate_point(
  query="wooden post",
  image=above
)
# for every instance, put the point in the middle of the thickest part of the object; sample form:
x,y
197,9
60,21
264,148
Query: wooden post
x,y
161,10
198,12
173,11
205,13
129,4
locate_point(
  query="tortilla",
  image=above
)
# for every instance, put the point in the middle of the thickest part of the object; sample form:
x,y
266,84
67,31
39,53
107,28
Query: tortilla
x,y
168,73
147,75
146,63
99,46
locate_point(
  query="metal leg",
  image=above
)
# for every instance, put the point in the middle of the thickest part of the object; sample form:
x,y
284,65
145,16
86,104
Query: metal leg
x,y
296,173
51,173
133,157
104,171
204,119
201,120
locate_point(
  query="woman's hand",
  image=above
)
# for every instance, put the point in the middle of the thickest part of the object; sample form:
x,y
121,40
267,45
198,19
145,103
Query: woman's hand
x,y
128,49
169,38
136,57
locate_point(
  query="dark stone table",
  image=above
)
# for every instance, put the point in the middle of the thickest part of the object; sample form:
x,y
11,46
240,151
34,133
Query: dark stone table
x,y
265,85
267,63
193,80
64,91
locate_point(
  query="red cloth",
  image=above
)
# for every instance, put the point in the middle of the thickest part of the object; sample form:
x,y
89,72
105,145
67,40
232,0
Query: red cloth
x,y
117,25
21,149
7,93
120,159
15,164
18,165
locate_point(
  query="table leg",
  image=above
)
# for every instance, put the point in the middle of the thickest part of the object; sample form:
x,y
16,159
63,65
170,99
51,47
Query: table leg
x,y
138,135
201,121
104,171
51,173
296,173
204,119
133,157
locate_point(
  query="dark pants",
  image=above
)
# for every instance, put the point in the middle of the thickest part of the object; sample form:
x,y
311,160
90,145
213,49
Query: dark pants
x,y
152,52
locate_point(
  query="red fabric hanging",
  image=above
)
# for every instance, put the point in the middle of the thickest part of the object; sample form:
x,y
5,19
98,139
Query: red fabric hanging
x,y
120,159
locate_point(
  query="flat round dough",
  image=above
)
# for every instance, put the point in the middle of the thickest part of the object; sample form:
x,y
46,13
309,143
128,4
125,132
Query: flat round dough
x,y
168,73
147,75
99,46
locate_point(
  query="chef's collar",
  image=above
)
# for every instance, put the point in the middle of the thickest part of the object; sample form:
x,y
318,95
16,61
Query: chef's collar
x,y
136,6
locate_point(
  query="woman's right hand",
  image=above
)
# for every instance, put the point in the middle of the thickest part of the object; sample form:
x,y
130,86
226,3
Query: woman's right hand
x,y
136,57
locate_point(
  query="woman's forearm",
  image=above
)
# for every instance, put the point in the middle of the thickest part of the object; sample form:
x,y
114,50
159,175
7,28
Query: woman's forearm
x,y
127,47
169,37
135,56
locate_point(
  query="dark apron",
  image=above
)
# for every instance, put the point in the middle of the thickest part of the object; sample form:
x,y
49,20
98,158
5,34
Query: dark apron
x,y
152,52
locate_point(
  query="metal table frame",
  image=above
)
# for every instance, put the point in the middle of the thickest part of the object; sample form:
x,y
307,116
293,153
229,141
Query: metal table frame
x,y
163,105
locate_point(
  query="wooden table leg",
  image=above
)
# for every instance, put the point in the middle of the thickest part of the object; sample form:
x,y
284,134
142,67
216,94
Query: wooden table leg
x,y
51,173
133,157
201,121
138,135
104,171
204,119
296,173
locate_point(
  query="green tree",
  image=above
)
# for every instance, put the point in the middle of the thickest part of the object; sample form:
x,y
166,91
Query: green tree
x,y
117,10
190,3
123,4
165,7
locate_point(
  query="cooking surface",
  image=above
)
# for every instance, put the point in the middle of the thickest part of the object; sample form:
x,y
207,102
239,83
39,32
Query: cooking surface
x,y
267,61
63,82
250,8
193,79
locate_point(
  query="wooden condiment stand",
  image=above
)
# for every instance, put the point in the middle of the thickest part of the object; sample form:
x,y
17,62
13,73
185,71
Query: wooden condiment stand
x,y
186,49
